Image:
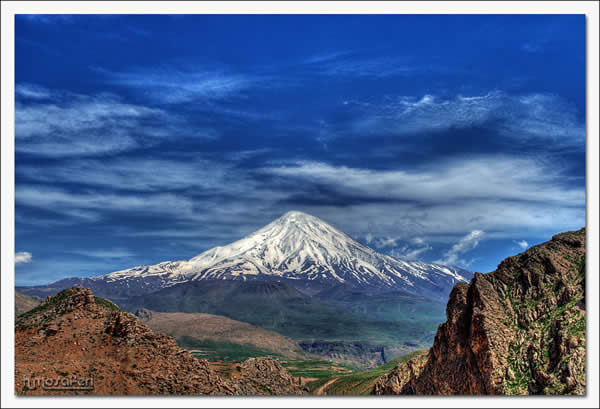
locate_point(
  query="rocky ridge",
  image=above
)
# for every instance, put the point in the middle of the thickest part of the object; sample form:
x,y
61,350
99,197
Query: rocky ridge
x,y
77,336
518,330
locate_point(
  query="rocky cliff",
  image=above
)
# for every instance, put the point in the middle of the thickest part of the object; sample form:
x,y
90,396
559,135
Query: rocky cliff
x,y
518,330
76,343
354,353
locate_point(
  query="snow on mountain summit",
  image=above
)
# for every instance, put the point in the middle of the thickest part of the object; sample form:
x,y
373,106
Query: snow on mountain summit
x,y
298,246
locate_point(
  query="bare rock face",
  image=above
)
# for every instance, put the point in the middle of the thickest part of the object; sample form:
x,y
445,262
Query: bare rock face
x,y
267,376
77,337
518,330
400,377
143,314
362,353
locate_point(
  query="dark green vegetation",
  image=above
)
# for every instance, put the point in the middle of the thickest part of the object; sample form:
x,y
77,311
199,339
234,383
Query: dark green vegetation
x,y
360,382
46,306
106,303
281,308
559,319
223,350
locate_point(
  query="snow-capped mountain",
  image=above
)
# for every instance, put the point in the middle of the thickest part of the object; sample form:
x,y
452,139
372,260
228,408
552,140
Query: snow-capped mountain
x,y
298,247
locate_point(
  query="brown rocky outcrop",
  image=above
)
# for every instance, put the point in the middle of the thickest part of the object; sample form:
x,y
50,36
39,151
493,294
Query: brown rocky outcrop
x,y
517,330
267,375
82,344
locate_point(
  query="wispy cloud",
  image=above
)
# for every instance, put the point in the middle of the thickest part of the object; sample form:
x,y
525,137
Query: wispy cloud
x,y
47,18
519,118
466,244
345,64
407,253
140,175
326,57
171,86
414,250
22,257
32,91
93,204
114,253
66,124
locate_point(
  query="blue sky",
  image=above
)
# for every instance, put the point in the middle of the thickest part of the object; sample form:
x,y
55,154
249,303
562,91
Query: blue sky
x,y
139,139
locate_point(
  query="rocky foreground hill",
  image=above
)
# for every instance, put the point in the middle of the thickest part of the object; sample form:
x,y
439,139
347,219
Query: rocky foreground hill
x,y
76,343
518,330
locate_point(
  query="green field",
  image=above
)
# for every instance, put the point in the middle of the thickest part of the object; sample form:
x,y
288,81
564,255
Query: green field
x,y
223,350
320,369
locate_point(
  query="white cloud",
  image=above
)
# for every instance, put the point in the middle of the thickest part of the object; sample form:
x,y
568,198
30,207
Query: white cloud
x,y
502,195
22,257
466,244
483,178
523,244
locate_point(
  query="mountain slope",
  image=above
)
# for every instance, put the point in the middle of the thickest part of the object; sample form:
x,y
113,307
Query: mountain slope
x,y
296,247
278,307
207,329
76,337
518,330
24,303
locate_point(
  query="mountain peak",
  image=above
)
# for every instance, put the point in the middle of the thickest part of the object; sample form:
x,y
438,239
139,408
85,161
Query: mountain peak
x,y
301,248
296,215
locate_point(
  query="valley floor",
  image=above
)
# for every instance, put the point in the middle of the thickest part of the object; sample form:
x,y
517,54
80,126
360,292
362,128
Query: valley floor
x,y
324,377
